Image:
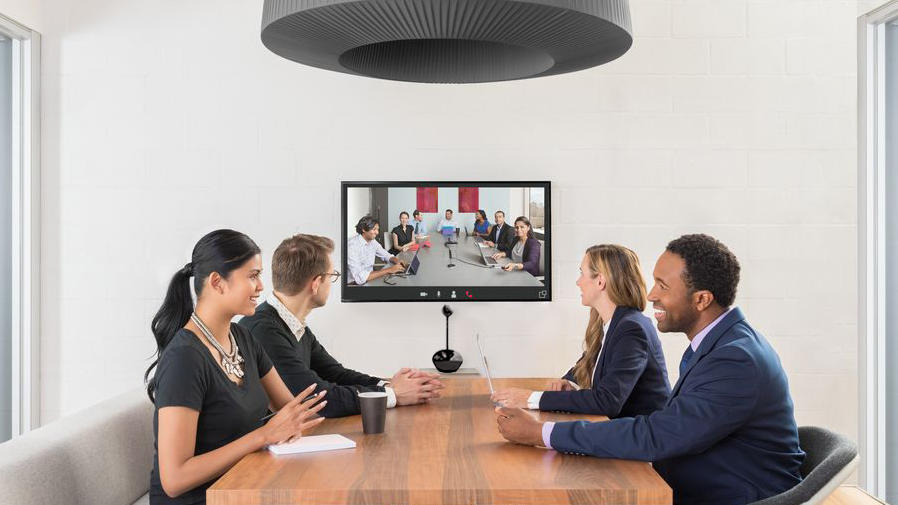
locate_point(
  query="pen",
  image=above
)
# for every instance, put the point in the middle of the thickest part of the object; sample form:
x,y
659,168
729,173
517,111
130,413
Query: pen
x,y
271,414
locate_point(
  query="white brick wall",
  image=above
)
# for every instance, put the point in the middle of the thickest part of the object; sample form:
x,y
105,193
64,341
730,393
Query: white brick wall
x,y
731,117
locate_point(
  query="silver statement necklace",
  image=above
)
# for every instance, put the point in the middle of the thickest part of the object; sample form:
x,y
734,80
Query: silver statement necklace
x,y
232,363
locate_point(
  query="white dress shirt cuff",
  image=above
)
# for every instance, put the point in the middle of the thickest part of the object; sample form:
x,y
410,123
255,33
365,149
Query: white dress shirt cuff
x,y
391,397
533,401
575,385
547,433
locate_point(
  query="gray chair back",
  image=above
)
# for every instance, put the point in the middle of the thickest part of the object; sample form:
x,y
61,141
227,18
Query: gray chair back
x,y
542,258
830,460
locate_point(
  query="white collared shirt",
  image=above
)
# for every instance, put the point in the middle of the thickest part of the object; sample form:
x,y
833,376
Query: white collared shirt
x,y
360,257
447,222
297,327
533,400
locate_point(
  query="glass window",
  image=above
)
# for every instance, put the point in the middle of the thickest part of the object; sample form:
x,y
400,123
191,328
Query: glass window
x,y
890,135
537,209
6,363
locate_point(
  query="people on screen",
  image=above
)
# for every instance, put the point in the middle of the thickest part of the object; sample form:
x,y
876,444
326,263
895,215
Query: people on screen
x,y
525,250
447,221
482,227
213,382
728,432
622,371
403,235
501,236
361,250
302,273
420,227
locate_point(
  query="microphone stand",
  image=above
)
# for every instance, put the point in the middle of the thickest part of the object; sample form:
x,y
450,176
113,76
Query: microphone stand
x,y
450,265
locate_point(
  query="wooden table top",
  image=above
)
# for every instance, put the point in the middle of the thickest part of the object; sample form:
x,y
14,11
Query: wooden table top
x,y
446,452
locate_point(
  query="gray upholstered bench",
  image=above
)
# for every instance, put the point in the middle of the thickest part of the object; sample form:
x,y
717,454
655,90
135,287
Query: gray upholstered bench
x,y
100,456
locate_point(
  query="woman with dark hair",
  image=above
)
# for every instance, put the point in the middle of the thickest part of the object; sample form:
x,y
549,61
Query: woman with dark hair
x,y
213,382
526,250
403,234
482,227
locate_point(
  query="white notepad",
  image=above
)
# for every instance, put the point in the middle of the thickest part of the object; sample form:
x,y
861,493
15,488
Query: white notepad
x,y
313,444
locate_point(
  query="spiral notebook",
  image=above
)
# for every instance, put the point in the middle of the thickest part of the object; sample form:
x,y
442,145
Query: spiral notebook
x,y
313,444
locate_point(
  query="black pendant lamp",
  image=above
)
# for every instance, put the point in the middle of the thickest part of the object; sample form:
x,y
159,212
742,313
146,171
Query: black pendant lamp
x,y
448,41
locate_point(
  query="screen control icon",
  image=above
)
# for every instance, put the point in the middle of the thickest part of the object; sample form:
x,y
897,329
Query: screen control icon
x,y
542,294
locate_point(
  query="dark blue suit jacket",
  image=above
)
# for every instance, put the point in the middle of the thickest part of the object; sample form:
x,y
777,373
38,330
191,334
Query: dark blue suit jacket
x,y
631,378
726,436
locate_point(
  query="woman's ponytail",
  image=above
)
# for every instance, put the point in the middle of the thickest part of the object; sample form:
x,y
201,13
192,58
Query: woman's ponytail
x,y
172,316
220,251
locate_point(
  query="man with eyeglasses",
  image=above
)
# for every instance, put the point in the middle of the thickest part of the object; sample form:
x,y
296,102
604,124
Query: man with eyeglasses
x,y
302,273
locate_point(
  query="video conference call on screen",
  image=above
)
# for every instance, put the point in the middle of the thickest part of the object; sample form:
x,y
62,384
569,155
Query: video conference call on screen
x,y
455,241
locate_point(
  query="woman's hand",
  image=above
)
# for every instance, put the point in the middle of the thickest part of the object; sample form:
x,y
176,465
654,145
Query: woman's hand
x,y
513,266
498,255
289,422
514,398
560,385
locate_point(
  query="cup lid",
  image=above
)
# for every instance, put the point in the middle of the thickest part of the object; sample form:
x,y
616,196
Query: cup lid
x,y
373,394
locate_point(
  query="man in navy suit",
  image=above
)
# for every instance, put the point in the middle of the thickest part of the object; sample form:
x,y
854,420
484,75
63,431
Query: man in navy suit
x,y
727,435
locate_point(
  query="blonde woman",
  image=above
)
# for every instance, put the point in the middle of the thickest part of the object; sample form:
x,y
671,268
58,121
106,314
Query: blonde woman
x,y
621,372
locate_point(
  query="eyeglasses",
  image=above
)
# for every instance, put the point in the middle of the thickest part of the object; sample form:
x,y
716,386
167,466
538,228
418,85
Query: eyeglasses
x,y
335,273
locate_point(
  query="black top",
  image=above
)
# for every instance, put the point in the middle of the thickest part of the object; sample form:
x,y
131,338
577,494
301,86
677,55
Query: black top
x,y
188,376
404,237
304,362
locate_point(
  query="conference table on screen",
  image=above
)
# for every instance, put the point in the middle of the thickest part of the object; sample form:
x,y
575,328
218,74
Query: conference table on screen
x,y
446,452
469,269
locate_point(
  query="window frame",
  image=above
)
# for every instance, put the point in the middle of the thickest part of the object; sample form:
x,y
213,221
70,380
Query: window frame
x,y
872,246
26,248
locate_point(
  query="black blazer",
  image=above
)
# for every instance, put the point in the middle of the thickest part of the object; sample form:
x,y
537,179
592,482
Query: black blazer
x,y
506,238
631,378
305,362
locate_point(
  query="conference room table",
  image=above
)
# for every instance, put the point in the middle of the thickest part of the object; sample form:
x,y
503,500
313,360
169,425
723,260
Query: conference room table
x,y
469,268
446,452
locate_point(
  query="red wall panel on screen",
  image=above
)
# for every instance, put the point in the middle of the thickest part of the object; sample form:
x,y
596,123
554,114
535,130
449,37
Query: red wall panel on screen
x,y
427,199
468,199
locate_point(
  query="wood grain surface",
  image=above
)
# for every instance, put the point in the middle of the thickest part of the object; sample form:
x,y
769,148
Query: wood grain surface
x,y
446,452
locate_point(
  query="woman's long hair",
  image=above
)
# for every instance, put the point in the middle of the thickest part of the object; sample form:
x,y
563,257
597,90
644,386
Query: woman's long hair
x,y
626,288
219,251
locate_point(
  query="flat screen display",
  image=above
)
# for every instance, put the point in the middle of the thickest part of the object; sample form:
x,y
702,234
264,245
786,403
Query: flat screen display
x,y
446,241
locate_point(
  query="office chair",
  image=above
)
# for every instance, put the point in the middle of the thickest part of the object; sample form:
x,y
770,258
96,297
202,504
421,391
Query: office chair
x,y
830,460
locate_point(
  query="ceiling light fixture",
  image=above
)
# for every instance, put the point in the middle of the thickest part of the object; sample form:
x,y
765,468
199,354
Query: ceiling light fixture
x,y
448,41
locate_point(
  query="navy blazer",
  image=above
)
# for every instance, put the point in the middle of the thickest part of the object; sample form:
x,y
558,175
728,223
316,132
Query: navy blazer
x,y
631,378
727,435
530,255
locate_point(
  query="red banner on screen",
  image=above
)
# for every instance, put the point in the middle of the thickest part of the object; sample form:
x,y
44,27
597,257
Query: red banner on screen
x,y
427,199
468,199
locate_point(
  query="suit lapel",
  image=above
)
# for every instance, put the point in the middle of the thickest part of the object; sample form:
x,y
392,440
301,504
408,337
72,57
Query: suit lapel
x,y
707,345
612,326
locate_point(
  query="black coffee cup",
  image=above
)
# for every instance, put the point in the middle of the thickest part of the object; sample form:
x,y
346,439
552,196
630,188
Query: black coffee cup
x,y
374,411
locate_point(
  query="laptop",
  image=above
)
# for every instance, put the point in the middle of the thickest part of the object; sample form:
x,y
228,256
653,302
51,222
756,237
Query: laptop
x,y
486,368
413,266
487,259
449,233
